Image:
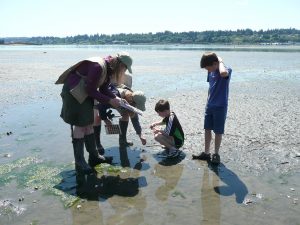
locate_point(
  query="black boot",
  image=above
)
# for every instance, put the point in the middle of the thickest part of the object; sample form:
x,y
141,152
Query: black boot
x,y
97,132
81,166
122,137
124,157
94,157
80,181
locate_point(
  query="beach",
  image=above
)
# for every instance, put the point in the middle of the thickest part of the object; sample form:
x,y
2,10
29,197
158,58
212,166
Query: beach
x,y
257,182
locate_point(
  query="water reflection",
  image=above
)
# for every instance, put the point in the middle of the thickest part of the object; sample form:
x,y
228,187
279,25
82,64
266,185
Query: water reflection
x,y
210,199
233,184
170,171
89,213
130,210
212,189
111,198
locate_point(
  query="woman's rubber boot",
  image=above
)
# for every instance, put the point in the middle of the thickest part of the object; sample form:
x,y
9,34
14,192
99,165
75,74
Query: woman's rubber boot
x,y
97,132
94,157
81,165
122,137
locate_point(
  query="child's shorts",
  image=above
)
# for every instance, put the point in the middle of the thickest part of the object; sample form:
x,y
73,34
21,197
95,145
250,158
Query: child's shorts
x,y
214,119
178,143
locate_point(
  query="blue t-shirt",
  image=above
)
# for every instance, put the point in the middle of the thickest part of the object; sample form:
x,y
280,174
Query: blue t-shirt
x,y
218,88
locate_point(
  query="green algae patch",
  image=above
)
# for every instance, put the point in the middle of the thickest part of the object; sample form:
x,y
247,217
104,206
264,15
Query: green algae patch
x,y
8,170
178,193
34,222
104,168
46,177
39,177
30,173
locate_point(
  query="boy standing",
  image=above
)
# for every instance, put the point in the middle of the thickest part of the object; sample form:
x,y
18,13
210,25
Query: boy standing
x,y
172,137
216,108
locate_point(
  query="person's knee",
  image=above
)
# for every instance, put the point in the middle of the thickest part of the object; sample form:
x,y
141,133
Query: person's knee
x,y
125,117
157,137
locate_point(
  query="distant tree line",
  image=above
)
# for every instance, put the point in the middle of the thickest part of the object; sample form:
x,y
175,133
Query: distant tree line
x,y
243,36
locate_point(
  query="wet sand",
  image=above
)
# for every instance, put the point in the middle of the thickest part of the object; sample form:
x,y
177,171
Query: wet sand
x,y
261,129
257,182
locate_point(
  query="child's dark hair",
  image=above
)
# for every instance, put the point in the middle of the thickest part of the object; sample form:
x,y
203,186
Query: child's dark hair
x,y
162,105
208,59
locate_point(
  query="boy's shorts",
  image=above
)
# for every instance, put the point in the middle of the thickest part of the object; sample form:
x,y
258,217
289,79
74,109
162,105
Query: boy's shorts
x,y
214,119
178,143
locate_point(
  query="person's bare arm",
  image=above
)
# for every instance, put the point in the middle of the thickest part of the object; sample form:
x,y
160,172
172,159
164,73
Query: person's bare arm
x,y
156,124
222,68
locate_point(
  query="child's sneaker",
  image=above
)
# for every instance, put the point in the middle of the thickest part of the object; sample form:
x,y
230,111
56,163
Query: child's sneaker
x,y
164,153
202,156
215,159
173,154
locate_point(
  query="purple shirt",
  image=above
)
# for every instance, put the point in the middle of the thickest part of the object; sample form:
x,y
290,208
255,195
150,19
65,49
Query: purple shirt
x,y
92,71
218,88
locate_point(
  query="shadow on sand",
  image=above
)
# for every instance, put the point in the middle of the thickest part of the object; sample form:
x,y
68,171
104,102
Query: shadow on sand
x,y
109,192
93,187
233,184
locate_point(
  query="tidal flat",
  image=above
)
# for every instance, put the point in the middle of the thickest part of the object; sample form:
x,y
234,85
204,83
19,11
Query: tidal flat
x,y
256,183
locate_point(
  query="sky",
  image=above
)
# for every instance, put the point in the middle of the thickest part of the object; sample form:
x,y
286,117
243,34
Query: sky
x,y
61,18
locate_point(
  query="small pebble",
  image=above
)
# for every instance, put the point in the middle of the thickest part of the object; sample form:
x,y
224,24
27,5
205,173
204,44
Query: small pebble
x,y
78,206
247,201
7,155
260,196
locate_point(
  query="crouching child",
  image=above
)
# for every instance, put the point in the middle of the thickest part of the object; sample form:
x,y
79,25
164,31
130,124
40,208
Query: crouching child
x,y
172,136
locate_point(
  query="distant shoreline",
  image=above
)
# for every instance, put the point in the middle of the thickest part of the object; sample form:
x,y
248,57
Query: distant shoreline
x,y
178,47
223,45
20,43
228,37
